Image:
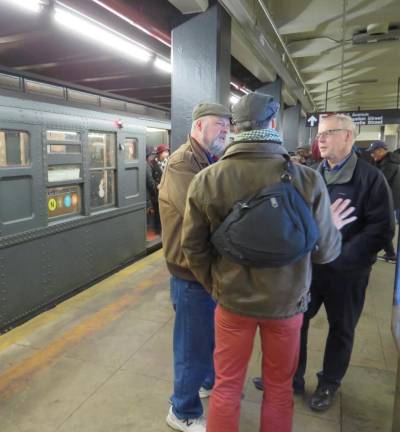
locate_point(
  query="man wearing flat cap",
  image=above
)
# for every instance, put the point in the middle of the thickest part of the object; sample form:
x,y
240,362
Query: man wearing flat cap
x,y
272,299
389,164
193,338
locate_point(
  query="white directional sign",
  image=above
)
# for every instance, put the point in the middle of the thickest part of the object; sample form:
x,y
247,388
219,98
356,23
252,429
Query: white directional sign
x,y
361,118
312,120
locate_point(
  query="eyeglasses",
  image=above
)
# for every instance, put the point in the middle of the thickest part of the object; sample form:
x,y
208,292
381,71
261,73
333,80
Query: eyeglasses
x,y
328,132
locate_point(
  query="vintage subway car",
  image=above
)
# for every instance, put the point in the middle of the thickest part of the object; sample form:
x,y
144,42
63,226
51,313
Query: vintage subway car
x,y
72,190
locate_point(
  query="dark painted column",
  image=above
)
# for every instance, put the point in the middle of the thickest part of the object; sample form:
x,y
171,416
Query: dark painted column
x,y
290,132
304,133
201,60
275,89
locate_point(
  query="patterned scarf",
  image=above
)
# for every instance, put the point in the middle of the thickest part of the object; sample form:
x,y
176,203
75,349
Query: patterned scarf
x,y
259,135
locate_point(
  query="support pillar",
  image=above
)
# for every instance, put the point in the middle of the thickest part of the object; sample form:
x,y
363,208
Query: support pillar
x,y
304,133
201,60
290,132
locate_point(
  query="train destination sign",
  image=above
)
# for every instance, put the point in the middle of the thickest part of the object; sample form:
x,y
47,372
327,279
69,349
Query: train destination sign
x,y
361,118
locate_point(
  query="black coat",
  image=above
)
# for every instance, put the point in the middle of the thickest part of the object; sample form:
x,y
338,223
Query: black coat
x,y
390,167
374,227
151,188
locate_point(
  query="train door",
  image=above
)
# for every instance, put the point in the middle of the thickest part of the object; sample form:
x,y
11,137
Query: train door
x,y
131,176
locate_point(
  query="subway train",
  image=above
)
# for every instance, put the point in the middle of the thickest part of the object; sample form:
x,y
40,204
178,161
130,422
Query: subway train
x,y
72,190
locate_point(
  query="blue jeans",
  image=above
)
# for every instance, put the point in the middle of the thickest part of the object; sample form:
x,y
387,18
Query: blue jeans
x,y
193,346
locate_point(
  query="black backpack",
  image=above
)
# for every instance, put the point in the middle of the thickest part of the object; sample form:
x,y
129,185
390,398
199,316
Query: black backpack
x,y
273,228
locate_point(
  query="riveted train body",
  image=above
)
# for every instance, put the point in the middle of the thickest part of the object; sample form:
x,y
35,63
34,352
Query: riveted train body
x,y
72,191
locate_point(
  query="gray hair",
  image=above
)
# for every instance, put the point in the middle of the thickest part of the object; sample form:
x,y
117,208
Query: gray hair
x,y
345,122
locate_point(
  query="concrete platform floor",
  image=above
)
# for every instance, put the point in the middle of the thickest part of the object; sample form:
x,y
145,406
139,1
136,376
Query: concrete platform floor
x,y
102,362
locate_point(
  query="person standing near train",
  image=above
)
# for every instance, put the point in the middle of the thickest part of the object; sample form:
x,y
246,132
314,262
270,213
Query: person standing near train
x,y
193,337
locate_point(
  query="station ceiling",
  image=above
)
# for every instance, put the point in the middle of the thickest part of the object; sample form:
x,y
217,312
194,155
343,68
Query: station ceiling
x,y
331,55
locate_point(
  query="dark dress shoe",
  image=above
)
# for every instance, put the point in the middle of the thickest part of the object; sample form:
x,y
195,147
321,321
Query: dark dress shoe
x,y
298,388
322,399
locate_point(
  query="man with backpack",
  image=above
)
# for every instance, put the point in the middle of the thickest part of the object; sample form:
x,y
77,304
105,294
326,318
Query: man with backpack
x,y
221,240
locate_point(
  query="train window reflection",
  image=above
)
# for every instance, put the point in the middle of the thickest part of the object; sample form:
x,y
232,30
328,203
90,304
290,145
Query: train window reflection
x,y
102,188
131,149
102,148
64,136
58,173
14,148
63,201
63,149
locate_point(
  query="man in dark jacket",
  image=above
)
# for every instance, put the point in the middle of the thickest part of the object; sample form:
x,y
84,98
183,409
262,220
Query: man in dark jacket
x,y
341,284
389,164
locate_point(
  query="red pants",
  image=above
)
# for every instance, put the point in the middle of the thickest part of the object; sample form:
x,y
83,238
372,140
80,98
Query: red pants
x,y
234,336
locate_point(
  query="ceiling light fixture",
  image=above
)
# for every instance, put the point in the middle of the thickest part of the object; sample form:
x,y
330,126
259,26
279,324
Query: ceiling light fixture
x,y
100,33
234,99
27,5
240,88
163,65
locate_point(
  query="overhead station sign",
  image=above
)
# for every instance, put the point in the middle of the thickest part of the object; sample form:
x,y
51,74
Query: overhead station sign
x,y
360,118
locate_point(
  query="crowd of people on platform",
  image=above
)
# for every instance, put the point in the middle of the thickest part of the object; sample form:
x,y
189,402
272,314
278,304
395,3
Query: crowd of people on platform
x,y
220,303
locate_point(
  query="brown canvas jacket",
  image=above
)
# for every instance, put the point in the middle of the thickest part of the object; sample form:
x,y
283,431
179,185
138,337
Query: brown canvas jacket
x,y
182,166
274,292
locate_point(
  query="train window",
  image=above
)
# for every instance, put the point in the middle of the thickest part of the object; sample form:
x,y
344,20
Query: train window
x,y
102,188
9,81
102,148
56,140
112,103
63,201
131,149
44,89
63,149
60,173
14,148
63,136
81,97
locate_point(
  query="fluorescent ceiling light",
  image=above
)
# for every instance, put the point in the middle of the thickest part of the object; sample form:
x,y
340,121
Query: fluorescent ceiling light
x,y
28,5
163,65
234,99
87,27
240,88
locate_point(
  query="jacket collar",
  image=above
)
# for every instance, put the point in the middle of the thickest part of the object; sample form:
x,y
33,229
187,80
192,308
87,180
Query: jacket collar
x,y
344,175
198,153
255,149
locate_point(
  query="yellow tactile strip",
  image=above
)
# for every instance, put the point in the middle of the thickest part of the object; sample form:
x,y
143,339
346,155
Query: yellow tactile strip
x,y
12,378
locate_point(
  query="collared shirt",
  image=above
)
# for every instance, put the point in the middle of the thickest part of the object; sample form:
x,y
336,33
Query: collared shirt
x,y
337,167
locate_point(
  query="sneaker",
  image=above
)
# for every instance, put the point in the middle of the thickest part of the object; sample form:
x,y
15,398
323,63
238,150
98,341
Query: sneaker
x,y
186,425
388,259
204,393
